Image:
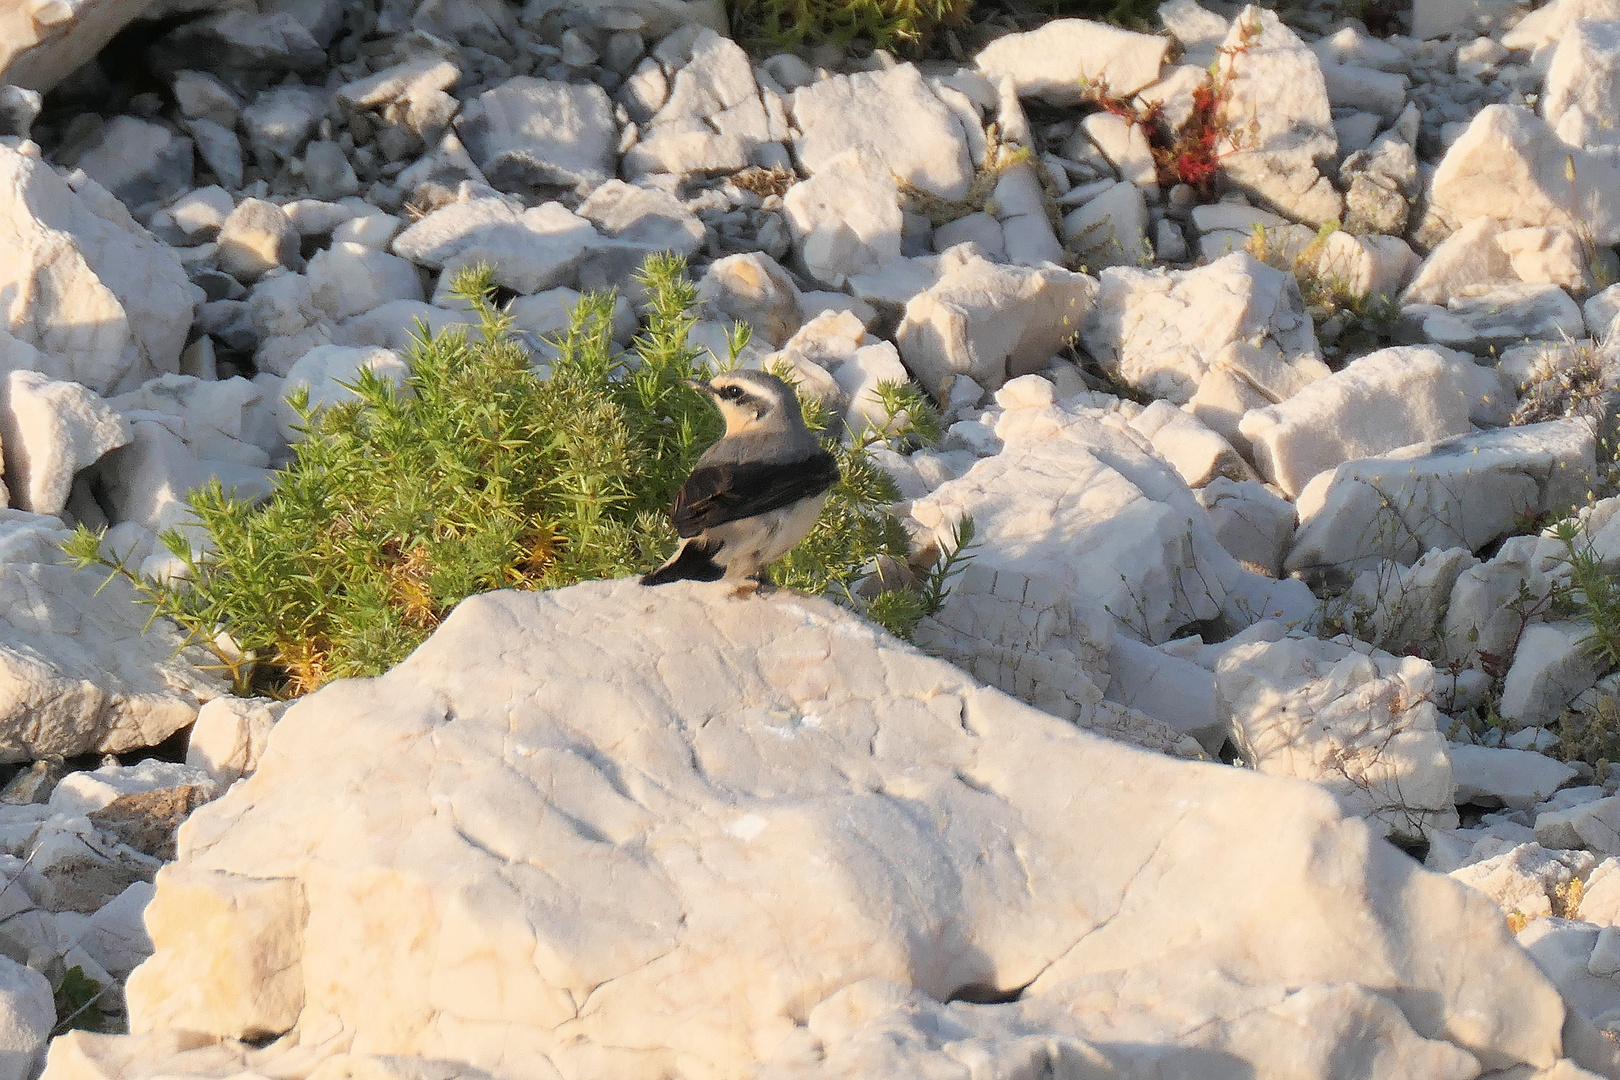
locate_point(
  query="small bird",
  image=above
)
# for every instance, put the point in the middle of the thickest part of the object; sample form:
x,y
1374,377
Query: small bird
x,y
754,494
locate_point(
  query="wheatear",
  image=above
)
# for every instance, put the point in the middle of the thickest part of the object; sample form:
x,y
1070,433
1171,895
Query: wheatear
x,y
756,492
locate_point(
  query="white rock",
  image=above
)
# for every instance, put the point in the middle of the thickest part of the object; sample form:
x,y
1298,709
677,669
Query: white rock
x,y
1398,608
50,430
323,372
1172,690
1159,331
1125,145
858,111
1470,258
1505,314
528,251
1438,18
1511,165
1198,454
1545,27
236,41
991,323
752,288
844,220
80,675
394,325
1111,229
86,792
1562,949
1275,82
351,279
202,212
1361,723
257,238
105,304
1605,958
1254,525
1353,87
1517,779
1066,59
1548,255
1550,667
251,938
1072,479
230,735
858,379
1600,900
282,119
1464,492
27,1017
371,230
980,229
1593,825
220,150
200,95
1385,400
530,132
143,164
147,480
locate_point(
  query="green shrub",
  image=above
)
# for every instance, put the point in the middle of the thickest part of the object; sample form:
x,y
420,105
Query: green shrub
x,y
898,25
478,475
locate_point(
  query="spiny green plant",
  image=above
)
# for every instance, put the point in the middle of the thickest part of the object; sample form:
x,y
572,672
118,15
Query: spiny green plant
x,y
1356,321
478,474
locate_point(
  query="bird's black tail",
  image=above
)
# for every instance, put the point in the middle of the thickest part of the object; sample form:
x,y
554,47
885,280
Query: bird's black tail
x,y
693,562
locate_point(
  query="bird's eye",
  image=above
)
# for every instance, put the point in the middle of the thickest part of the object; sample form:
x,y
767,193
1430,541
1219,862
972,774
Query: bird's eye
x,y
732,393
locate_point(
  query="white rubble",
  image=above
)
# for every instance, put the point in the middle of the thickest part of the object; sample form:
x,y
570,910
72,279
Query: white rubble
x,y
528,251
27,1019
1551,665
326,374
1383,401
1527,879
80,675
1359,722
351,279
1583,84
255,239
833,762
991,323
1593,825
1198,454
1160,331
846,219
104,303
1252,522
230,735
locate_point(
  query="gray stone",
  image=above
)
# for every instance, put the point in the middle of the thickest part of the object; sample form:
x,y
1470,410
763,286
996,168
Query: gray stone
x,y
280,121
141,163
327,172
200,96
219,149
240,40
258,237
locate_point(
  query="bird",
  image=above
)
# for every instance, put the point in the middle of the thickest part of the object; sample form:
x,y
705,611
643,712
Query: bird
x,y
755,493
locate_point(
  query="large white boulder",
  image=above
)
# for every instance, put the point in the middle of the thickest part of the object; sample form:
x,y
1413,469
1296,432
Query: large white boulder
x,y
104,303
1582,100
51,429
527,250
1511,165
575,832
42,44
1381,402
1161,330
846,219
528,133
991,323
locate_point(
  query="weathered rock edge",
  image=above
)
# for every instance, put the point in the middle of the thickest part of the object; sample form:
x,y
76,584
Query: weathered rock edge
x,y
636,832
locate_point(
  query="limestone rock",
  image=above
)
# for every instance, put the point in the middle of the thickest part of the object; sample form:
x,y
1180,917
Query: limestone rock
x,y
528,133
1160,331
1275,83
1516,779
1463,492
531,250
1550,667
256,239
229,736
752,288
845,220
1361,723
27,1018
1510,165
324,371
991,323
858,111
41,44
1076,490
1381,402
351,279
50,430
793,752
143,164
1065,59
79,675
104,303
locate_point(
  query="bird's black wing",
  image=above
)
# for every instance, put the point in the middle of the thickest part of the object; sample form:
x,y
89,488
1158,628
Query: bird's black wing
x,y
716,494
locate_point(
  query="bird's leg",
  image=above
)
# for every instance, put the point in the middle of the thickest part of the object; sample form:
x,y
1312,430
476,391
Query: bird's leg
x,y
763,585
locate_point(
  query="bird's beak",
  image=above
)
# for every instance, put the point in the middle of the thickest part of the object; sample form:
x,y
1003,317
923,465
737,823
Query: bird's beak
x,y
700,387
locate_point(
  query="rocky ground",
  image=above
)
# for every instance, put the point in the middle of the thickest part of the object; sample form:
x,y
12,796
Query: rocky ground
x,y
1270,351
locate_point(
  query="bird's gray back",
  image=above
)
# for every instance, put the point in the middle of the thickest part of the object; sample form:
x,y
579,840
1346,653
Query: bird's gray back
x,y
779,444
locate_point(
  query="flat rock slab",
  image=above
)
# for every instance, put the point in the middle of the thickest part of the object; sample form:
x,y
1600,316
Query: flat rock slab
x,y
574,833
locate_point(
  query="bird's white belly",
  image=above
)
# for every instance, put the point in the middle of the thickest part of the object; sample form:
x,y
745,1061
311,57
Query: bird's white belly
x,y
752,543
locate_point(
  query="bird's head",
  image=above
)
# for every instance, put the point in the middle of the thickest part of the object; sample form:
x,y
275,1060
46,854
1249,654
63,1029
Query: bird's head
x,y
753,401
